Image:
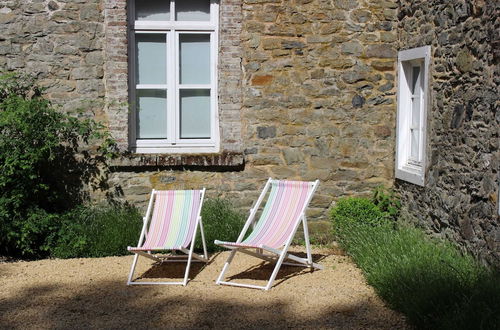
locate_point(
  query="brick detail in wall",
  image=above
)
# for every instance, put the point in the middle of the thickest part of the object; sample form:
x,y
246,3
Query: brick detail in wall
x,y
116,70
230,72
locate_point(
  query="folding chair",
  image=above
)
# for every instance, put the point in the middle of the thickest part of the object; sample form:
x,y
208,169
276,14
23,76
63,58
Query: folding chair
x,y
274,232
171,223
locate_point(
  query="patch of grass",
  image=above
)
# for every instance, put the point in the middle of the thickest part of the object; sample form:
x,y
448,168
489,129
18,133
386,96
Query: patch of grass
x,y
97,231
221,221
319,234
430,281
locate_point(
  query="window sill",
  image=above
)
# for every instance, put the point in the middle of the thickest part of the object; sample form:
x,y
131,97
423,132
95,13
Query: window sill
x,y
224,160
411,175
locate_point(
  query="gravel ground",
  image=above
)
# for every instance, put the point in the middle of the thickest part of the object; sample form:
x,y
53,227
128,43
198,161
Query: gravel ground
x,y
91,293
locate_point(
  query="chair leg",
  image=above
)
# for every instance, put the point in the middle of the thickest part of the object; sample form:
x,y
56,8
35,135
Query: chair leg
x,y
205,253
188,266
132,269
306,238
276,270
226,266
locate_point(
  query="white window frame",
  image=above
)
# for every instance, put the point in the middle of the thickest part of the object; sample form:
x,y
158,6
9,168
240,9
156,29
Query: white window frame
x,y
409,169
171,29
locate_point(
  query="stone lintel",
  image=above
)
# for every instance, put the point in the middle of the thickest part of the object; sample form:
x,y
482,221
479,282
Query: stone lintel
x,y
224,159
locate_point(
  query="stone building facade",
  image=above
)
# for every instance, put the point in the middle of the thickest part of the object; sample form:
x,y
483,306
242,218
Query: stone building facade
x,y
306,90
460,196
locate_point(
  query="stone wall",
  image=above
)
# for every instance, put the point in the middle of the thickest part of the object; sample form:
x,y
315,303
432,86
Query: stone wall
x,y
460,198
318,103
306,91
318,92
61,42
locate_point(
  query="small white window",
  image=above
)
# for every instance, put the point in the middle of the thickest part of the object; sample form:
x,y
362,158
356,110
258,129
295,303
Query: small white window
x,y
413,78
173,76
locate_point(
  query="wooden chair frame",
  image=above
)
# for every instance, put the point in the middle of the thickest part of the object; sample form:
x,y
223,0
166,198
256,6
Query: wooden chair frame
x,y
274,255
169,258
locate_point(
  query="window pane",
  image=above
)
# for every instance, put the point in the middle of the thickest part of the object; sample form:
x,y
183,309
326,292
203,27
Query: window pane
x,y
194,58
415,84
192,10
151,52
414,141
415,112
415,128
152,10
195,114
151,114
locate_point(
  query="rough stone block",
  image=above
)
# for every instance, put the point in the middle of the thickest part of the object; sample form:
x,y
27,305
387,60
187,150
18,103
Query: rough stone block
x,y
266,132
293,156
380,51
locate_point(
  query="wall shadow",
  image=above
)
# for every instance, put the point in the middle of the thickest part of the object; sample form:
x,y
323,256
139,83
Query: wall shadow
x,y
112,305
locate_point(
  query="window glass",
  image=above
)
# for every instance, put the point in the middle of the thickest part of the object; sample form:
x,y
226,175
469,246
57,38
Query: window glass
x,y
151,114
415,114
152,10
192,10
194,58
414,145
415,84
195,113
415,128
151,52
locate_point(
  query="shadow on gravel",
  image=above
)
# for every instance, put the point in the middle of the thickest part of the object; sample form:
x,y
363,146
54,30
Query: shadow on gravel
x,y
174,270
112,305
264,269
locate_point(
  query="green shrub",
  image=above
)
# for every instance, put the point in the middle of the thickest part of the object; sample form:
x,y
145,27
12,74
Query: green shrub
x,y
355,211
387,201
42,168
97,231
33,232
429,281
221,221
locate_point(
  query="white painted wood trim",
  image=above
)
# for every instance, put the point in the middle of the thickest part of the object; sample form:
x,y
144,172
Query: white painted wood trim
x,y
403,170
173,143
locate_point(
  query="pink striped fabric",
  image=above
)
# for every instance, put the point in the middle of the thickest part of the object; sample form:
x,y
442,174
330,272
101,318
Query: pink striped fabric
x,y
173,221
280,214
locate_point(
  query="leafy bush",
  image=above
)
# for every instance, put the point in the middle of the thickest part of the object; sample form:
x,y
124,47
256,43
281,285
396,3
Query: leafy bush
x,y
97,231
387,201
355,211
221,221
33,232
429,281
42,169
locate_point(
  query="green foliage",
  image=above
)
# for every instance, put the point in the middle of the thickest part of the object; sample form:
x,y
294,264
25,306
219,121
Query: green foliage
x,y
33,231
355,211
42,168
429,281
18,84
97,231
387,201
221,221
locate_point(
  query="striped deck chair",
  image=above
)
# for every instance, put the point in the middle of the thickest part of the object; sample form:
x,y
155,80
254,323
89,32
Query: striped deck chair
x,y
171,223
272,235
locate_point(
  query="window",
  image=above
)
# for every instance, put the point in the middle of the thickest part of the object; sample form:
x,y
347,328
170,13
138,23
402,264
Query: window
x,y
173,76
413,77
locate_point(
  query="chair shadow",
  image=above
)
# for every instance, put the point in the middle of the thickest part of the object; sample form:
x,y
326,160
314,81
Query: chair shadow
x,y
263,270
175,269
